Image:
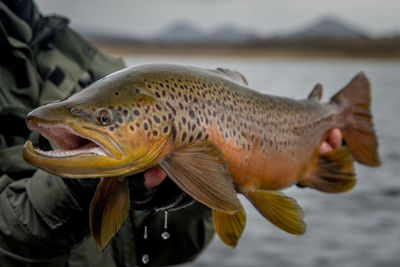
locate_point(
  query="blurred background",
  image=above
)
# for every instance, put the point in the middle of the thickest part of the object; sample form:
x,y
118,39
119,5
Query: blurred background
x,y
283,47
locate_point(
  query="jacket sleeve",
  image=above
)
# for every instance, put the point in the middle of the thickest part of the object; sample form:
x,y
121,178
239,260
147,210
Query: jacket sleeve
x,y
40,220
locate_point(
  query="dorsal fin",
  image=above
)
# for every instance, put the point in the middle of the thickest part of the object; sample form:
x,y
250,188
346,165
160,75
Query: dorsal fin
x,y
316,93
233,75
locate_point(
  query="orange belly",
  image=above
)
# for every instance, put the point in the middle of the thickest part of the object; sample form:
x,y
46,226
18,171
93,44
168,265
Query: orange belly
x,y
251,169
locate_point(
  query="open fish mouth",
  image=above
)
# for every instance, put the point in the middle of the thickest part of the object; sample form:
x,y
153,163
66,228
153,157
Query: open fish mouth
x,y
69,142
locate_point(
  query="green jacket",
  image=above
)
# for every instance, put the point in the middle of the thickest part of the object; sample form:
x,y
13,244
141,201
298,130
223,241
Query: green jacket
x,y
41,223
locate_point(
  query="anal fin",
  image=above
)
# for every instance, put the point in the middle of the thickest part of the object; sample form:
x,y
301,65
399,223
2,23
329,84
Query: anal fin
x,y
109,209
335,172
229,227
279,209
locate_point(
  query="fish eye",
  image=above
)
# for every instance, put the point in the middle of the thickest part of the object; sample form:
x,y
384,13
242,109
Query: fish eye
x,y
104,116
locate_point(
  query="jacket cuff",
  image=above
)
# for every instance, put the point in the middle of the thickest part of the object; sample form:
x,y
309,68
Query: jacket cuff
x,y
52,199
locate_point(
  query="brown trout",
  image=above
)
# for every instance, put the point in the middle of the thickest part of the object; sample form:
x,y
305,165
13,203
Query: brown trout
x,y
212,135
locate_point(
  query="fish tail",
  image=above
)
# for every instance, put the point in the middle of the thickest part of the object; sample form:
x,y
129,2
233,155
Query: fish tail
x,y
358,130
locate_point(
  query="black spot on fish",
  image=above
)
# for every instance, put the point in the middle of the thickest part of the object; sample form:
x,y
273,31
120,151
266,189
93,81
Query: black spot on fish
x,y
132,128
172,108
191,114
119,108
120,120
199,135
183,136
145,126
155,133
125,112
156,119
111,128
165,130
116,93
183,120
180,105
158,107
110,107
136,112
158,95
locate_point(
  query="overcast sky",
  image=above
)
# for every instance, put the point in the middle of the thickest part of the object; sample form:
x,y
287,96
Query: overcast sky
x,y
146,17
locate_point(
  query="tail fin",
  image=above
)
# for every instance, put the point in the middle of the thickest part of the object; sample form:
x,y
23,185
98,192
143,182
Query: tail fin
x,y
359,131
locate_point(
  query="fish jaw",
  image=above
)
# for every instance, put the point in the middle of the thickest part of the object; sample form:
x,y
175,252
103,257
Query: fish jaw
x,y
86,153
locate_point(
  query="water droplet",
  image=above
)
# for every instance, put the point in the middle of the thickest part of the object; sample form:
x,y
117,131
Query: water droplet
x,y
165,235
145,259
165,219
145,232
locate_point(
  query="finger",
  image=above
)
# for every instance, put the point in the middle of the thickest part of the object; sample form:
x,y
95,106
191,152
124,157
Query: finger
x,y
335,138
153,177
325,147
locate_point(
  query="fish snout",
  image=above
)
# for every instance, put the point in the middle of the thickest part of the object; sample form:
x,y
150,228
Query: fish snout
x,y
48,113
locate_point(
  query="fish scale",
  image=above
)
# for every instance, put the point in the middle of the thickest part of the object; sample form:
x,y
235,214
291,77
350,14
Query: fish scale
x,y
258,128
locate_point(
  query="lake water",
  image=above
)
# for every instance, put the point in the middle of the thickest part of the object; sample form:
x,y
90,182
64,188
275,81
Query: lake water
x,y
358,228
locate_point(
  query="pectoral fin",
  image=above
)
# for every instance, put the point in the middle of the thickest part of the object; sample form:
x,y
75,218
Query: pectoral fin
x,y
201,171
280,210
109,209
229,227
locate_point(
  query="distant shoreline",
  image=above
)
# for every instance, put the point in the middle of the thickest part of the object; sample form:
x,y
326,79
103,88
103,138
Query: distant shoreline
x,y
269,52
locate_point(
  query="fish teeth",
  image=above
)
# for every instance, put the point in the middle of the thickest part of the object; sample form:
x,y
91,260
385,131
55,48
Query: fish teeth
x,y
61,154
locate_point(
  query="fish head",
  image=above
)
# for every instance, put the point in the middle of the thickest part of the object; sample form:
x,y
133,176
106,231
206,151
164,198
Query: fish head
x,y
112,128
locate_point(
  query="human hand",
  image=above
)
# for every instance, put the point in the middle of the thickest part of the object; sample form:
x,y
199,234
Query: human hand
x,y
334,140
153,191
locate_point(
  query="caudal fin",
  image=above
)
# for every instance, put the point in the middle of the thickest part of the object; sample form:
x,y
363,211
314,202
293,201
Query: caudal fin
x,y
358,131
